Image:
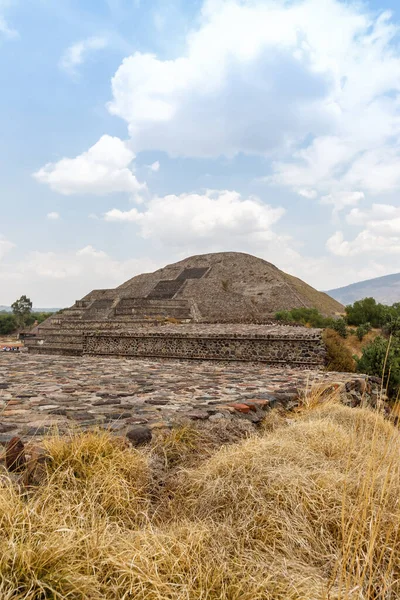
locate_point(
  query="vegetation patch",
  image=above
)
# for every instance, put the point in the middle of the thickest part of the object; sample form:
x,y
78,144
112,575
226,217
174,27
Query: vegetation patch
x,y
309,508
21,316
372,348
339,357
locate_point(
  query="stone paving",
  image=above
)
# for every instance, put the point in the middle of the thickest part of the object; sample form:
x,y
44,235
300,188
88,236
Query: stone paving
x,y
38,393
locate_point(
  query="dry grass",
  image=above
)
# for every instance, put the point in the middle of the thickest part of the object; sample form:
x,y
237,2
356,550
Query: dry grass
x,y
356,346
306,510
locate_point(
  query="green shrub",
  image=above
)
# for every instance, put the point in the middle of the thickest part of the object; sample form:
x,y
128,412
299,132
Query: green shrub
x,y
283,315
304,316
339,357
381,357
362,331
339,325
8,324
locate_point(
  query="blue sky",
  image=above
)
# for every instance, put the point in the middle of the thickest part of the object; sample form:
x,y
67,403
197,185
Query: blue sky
x,y
134,133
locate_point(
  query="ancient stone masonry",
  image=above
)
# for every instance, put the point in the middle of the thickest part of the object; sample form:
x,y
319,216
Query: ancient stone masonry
x,y
273,345
228,287
41,394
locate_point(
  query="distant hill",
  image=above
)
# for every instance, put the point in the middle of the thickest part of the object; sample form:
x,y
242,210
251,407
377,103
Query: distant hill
x,y
384,289
34,309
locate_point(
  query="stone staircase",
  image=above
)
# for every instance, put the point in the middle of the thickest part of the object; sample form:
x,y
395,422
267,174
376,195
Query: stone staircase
x,y
144,308
63,333
105,311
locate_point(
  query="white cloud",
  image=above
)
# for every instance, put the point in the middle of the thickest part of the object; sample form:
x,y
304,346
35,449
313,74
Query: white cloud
x,y
377,212
194,220
53,216
59,278
105,168
306,193
5,29
92,252
269,78
263,77
77,53
237,87
366,242
341,200
380,234
5,246
187,224
155,167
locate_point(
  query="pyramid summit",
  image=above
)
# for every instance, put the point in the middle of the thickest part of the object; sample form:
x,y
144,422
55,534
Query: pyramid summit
x,y
228,286
226,294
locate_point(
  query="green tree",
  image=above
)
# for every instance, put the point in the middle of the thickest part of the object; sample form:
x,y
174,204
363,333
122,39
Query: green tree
x,y
22,309
8,324
382,358
367,311
392,325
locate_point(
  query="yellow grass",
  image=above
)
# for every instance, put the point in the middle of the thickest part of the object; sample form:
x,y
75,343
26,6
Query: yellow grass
x,y
306,510
356,346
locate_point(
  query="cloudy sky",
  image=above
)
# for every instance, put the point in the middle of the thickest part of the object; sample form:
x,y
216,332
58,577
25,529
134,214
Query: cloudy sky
x,y
137,132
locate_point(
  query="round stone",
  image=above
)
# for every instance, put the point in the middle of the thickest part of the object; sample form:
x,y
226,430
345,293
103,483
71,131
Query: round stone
x,y
139,435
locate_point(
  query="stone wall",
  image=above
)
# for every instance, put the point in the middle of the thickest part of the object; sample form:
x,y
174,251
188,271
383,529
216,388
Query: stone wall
x,y
272,348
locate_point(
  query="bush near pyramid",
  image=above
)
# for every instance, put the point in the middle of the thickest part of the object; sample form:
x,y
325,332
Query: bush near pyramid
x,y
226,287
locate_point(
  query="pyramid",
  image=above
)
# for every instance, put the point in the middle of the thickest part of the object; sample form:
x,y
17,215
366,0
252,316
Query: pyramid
x,y
218,288
229,286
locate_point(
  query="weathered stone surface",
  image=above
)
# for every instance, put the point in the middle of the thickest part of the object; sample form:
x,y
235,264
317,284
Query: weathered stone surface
x,y
139,435
279,344
243,408
117,416
15,455
37,431
198,415
4,427
155,393
5,438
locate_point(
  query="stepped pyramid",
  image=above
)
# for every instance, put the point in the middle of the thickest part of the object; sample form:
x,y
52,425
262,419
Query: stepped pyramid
x,y
226,287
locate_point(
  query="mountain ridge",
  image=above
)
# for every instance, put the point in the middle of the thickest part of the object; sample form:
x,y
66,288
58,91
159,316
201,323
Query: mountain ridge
x,y
385,289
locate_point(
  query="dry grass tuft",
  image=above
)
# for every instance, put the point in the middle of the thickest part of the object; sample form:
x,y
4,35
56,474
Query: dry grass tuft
x,y
339,357
307,510
98,469
179,445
